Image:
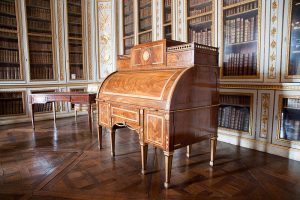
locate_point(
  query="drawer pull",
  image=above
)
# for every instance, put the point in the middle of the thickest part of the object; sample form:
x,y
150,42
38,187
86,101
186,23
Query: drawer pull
x,y
127,126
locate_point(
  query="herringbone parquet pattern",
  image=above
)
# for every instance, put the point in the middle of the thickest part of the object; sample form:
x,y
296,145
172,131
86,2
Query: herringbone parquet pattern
x,y
65,163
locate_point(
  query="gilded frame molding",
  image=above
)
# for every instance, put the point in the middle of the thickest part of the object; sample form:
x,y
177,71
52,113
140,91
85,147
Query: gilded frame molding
x,y
286,72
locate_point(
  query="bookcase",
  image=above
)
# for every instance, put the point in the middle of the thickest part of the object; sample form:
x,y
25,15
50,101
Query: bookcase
x,y
128,28
12,103
287,119
75,39
200,21
240,39
291,68
10,66
237,112
40,39
167,19
144,21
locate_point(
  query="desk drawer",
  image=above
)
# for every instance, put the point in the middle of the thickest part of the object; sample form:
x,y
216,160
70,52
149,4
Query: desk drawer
x,y
125,114
79,99
58,98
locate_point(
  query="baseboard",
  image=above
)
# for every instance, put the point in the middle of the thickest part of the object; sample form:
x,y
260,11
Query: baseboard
x,y
290,153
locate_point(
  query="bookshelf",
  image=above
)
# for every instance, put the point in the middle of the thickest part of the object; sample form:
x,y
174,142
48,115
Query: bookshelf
x,y
240,39
10,68
235,113
293,69
39,27
12,103
167,19
289,114
75,31
200,17
145,21
128,28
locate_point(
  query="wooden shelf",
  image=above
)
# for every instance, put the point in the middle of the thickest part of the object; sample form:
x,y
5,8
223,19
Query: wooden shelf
x,y
36,6
237,105
238,4
7,14
242,43
199,15
145,5
200,4
248,12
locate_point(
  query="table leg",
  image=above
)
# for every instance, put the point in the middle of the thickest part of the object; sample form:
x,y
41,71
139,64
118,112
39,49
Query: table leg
x,y
54,112
168,167
112,141
100,136
32,116
90,116
144,154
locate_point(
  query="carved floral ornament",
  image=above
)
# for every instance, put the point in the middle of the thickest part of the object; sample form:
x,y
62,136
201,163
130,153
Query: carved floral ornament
x,y
273,43
105,31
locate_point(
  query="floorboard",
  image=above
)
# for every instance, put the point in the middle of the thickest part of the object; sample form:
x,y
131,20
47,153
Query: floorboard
x,y
65,163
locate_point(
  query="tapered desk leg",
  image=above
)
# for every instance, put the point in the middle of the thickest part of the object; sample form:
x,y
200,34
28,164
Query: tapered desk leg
x,y
213,146
168,167
144,155
188,151
90,117
32,116
100,137
112,140
54,112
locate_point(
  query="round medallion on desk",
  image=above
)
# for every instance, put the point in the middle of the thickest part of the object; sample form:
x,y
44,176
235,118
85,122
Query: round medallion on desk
x,y
146,55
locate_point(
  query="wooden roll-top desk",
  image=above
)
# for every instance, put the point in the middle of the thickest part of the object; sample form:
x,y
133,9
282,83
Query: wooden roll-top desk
x,y
167,91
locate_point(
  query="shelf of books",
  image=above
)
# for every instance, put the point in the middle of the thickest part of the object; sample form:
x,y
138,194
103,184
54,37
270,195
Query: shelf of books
x,y
240,38
293,69
43,107
167,22
145,21
200,17
39,27
235,113
10,68
12,103
76,66
286,126
128,25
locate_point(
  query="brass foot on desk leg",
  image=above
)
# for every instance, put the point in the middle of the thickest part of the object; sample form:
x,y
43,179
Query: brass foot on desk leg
x,y
188,151
166,185
213,147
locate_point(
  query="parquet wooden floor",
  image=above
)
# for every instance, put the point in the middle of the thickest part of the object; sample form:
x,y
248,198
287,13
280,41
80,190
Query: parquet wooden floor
x,y
65,163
